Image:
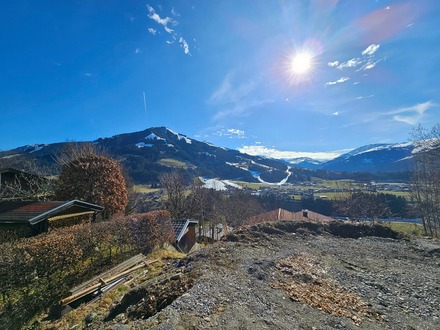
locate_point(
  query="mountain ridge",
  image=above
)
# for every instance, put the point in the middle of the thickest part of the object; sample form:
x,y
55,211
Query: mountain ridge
x,y
381,157
148,153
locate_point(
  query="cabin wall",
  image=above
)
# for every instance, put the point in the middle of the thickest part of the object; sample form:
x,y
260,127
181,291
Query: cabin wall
x,y
9,232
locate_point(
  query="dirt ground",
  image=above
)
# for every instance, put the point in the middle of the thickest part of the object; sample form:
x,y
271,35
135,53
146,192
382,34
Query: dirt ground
x,y
289,275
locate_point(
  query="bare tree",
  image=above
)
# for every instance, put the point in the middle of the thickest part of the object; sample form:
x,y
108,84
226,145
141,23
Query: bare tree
x,y
33,184
175,188
239,207
358,203
426,177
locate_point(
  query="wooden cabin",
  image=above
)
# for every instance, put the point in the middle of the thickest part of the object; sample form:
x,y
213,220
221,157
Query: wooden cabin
x,y
28,218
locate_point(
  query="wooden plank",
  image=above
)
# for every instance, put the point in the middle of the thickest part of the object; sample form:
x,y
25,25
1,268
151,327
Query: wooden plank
x,y
117,269
109,280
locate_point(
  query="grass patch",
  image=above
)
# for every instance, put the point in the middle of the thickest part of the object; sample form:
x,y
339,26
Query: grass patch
x,y
174,163
332,195
335,184
166,253
405,194
412,229
141,188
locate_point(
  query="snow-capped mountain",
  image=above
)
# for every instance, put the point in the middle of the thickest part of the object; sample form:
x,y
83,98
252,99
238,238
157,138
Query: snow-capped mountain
x,y
147,154
305,162
371,158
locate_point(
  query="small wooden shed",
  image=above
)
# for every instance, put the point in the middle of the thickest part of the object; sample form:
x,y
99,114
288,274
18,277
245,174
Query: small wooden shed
x,y
185,231
31,218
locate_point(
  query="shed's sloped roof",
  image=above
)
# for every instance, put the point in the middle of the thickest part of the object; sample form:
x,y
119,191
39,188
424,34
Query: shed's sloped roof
x,y
179,227
33,212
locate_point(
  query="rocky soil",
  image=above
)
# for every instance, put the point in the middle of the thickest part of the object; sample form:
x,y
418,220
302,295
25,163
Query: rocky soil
x,y
289,275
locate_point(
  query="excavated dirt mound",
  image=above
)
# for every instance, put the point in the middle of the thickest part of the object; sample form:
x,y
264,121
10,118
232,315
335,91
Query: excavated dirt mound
x,y
291,275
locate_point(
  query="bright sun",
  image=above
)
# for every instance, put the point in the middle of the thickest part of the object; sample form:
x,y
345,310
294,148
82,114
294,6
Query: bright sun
x,y
301,63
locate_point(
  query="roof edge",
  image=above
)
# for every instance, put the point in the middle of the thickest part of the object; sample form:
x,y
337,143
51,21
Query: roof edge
x,y
187,222
64,206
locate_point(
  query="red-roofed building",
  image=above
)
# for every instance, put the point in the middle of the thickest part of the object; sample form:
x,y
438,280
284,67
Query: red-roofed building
x,y
280,214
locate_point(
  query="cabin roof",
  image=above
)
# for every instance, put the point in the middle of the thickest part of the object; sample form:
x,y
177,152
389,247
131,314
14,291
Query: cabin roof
x,y
31,212
180,225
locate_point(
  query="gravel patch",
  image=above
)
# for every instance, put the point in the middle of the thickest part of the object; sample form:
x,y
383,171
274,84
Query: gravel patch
x,y
267,277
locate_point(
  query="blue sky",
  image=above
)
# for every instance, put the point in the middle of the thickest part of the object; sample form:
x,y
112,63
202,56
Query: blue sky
x,y
220,71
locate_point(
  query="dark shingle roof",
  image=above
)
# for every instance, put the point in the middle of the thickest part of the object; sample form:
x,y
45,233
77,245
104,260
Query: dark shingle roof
x,y
34,212
179,227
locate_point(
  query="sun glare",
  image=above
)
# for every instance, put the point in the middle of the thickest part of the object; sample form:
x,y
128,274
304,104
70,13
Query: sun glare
x,y
301,63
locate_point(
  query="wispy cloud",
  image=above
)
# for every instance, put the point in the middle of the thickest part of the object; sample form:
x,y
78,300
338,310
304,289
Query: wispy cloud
x,y
168,30
369,65
168,24
339,81
184,45
335,113
364,97
227,93
174,12
159,20
235,100
259,150
231,133
370,50
366,62
88,74
354,62
137,51
412,115
241,109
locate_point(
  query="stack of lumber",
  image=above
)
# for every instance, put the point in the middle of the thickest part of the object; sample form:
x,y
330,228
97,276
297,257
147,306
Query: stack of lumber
x,y
108,279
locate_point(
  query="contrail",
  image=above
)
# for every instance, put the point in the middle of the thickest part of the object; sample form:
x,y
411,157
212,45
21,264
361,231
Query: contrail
x,y
145,102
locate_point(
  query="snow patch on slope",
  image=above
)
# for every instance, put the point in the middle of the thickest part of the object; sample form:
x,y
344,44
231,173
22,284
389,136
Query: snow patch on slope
x,y
295,161
217,184
143,145
384,147
30,148
426,145
153,136
257,175
10,156
179,136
